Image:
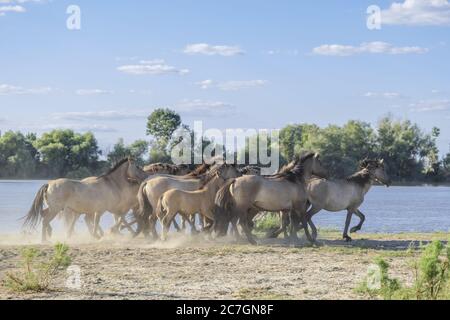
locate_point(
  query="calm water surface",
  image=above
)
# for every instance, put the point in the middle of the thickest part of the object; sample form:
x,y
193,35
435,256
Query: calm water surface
x,y
395,209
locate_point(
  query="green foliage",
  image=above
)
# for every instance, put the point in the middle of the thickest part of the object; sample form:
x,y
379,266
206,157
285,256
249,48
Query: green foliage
x,y
18,157
161,124
410,154
404,147
432,272
63,151
36,276
268,222
431,277
136,150
378,282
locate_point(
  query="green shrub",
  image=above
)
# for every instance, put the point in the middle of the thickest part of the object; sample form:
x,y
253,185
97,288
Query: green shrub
x,y
431,277
267,222
385,286
432,272
36,276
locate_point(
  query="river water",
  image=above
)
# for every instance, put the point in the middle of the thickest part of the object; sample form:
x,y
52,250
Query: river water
x,y
390,210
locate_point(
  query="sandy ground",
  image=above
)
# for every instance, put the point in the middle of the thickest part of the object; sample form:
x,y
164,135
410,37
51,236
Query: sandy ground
x,y
193,268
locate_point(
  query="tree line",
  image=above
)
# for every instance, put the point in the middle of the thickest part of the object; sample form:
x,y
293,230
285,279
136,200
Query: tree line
x,y
410,153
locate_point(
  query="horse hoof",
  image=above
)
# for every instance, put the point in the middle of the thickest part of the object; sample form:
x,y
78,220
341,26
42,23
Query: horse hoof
x,y
347,239
354,229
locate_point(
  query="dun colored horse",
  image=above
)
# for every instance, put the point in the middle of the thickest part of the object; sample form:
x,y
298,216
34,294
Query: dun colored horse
x,y
111,192
246,196
189,203
347,194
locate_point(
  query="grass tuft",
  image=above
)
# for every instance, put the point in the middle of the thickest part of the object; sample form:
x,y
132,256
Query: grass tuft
x,y
36,276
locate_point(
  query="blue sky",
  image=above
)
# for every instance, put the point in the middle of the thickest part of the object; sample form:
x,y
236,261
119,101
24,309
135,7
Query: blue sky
x,y
232,64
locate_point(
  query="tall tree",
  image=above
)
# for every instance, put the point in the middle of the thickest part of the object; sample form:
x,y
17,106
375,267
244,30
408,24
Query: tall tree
x,y
136,150
64,151
18,157
161,124
404,147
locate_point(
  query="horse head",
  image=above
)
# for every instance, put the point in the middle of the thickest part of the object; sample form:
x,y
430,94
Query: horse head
x,y
134,173
377,170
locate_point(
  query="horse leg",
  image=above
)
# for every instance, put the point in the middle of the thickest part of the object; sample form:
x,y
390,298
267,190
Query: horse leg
x,y
243,221
208,217
293,226
183,223
176,226
284,224
49,215
191,221
234,229
166,217
248,233
200,221
347,224
146,225
313,211
90,224
128,225
304,220
71,227
45,213
96,231
362,218
118,221
165,221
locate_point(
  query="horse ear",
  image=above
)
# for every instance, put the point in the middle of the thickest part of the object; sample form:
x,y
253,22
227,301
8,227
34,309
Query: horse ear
x,y
317,156
381,161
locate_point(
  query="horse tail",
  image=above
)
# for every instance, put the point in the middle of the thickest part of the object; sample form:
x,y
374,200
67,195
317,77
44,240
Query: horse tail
x,y
145,208
143,211
160,208
36,212
224,201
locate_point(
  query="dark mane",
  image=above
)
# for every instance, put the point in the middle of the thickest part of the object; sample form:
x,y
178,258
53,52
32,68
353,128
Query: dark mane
x,y
208,176
248,169
361,178
169,168
116,166
293,171
201,169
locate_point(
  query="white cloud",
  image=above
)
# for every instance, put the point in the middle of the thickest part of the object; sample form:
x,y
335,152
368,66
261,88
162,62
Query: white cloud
x,y
15,6
110,115
92,92
231,85
203,108
377,47
79,127
388,95
151,67
206,84
12,8
417,13
431,105
6,89
210,50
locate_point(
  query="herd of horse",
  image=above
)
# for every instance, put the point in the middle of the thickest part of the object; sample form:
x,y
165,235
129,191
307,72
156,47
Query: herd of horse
x,y
221,196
